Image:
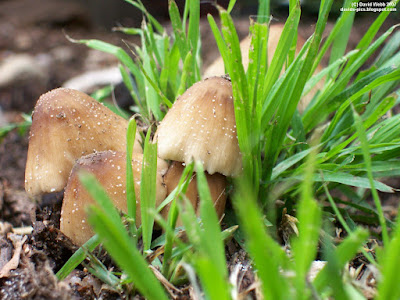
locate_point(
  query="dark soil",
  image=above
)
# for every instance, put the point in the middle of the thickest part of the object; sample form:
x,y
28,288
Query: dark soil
x,y
38,29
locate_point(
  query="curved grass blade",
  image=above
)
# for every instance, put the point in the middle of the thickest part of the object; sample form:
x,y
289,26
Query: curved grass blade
x,y
367,160
148,190
268,256
124,252
388,287
130,186
78,257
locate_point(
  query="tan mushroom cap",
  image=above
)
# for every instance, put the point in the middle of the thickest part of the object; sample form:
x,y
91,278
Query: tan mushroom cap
x,y
109,167
216,184
66,125
201,126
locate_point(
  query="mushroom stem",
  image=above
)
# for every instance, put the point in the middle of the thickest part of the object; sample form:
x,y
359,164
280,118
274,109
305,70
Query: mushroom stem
x,y
216,184
110,170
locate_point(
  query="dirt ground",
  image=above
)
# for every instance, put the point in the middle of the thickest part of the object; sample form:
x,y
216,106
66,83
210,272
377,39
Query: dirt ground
x,y
35,57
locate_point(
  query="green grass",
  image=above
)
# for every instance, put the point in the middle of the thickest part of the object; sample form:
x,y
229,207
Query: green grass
x,y
325,164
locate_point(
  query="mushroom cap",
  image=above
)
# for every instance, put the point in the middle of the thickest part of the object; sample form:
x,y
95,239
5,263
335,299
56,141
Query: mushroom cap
x,y
216,184
66,125
201,126
109,167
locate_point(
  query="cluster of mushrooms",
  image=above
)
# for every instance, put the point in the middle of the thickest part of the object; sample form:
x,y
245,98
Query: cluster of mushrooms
x,y
71,132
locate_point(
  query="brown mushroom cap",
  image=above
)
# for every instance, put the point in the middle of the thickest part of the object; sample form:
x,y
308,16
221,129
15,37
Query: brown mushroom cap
x,y
201,126
216,184
66,125
110,170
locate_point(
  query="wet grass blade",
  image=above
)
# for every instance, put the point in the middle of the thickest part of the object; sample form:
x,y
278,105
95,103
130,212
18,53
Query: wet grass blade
x,y
211,236
246,120
388,287
344,252
108,225
193,37
258,66
133,90
148,190
373,30
289,162
263,14
267,254
349,179
389,50
343,222
341,21
367,161
214,286
186,74
309,216
329,69
130,186
98,269
284,45
176,22
118,52
209,260
173,215
125,254
150,76
78,257
222,47
140,6
340,43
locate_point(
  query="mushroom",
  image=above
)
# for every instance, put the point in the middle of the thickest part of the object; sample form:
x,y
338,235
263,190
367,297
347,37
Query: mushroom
x,y
66,125
109,167
201,126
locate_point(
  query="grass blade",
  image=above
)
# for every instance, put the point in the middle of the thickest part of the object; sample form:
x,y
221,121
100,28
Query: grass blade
x,y
78,257
176,23
367,160
309,216
148,190
125,254
344,252
130,186
388,287
211,236
267,254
